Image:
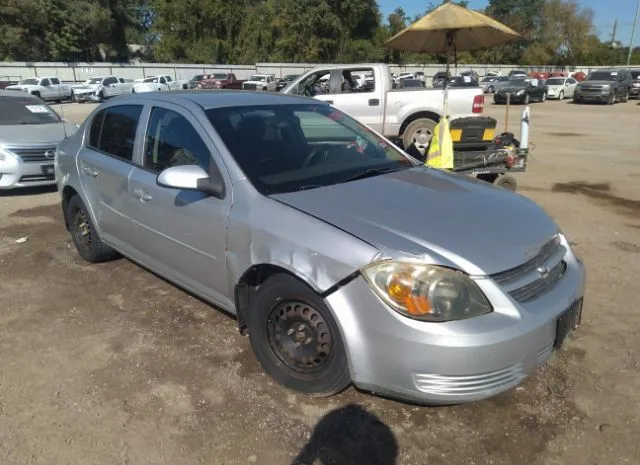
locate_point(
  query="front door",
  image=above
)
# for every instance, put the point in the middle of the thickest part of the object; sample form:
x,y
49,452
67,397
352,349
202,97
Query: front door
x,y
182,234
105,167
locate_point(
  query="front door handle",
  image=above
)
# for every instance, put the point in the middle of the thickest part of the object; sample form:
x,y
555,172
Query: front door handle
x,y
374,102
88,171
142,195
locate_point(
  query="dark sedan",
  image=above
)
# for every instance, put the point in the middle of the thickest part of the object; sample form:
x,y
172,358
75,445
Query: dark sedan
x,y
523,90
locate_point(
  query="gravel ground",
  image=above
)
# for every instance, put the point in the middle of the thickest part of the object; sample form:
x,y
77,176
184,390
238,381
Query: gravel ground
x,y
108,364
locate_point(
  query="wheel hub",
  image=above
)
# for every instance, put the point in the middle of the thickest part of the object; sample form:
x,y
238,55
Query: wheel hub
x,y
421,138
299,336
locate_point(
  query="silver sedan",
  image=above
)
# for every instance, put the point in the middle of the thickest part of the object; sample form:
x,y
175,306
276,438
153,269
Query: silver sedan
x,y
344,259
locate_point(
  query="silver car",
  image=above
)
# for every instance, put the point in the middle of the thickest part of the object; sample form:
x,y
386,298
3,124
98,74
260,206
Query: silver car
x,y
345,260
29,132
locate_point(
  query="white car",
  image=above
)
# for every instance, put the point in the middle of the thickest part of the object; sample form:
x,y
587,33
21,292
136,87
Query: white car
x,y
264,82
97,89
561,87
47,88
156,83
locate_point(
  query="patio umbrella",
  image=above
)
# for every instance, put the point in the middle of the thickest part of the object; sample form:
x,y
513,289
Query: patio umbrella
x,y
450,28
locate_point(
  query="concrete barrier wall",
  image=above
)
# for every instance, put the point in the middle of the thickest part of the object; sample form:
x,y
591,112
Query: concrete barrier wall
x,y
79,72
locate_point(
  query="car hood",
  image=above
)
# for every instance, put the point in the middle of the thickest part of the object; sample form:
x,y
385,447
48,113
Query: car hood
x,y
422,212
19,86
89,88
29,134
512,88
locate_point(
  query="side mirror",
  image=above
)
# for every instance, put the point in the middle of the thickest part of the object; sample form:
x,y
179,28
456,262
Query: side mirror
x,y
191,178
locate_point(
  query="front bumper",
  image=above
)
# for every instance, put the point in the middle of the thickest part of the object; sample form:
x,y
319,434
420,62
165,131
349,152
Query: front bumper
x,y
15,173
599,96
497,98
455,362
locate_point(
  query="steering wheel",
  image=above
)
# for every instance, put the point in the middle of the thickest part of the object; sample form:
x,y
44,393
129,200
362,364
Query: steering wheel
x,y
322,150
307,92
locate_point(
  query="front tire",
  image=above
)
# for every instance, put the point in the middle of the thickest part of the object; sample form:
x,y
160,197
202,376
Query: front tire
x,y
625,99
544,97
83,232
296,339
527,99
561,96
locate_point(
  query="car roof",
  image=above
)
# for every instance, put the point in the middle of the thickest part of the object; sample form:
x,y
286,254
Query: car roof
x,y
208,99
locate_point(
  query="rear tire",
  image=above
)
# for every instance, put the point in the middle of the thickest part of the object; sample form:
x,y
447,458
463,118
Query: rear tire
x,y
625,99
419,132
612,98
506,181
490,89
83,232
296,339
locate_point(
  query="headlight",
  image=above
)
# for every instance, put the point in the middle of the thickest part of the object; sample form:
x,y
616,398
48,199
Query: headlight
x,y
6,155
520,92
605,86
426,292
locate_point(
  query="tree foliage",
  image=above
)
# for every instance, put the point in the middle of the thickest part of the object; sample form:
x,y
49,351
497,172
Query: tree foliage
x,y
554,32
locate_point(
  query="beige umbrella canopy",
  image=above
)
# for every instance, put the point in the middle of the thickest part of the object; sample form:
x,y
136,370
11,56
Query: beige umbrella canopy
x,y
451,27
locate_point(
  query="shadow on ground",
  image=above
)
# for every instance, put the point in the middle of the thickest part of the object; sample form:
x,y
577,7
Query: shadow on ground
x,y
349,436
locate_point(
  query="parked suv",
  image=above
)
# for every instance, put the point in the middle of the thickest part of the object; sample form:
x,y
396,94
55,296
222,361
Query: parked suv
x,y
605,85
635,85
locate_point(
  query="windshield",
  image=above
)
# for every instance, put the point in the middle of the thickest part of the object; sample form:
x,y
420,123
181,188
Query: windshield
x,y
95,81
555,81
29,82
24,109
635,74
602,76
516,82
151,79
255,77
287,148
488,79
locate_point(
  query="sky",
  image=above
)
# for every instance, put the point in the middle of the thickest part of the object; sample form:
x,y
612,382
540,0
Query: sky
x,y
605,14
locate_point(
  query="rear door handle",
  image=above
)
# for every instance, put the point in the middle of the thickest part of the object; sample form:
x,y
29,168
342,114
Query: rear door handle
x,y
141,194
374,102
88,171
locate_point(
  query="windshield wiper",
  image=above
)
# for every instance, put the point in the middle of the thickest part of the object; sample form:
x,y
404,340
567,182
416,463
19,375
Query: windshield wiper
x,y
369,173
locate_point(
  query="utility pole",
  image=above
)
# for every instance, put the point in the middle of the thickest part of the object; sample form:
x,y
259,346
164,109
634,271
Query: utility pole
x,y
633,32
613,34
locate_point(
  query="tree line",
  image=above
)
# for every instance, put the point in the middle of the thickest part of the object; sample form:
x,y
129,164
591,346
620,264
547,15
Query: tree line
x,y
554,32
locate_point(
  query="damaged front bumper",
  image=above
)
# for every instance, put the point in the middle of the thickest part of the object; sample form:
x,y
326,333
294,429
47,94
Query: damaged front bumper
x,y
453,362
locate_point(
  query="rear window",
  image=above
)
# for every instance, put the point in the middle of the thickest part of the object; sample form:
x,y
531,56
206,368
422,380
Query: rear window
x,y
25,109
113,130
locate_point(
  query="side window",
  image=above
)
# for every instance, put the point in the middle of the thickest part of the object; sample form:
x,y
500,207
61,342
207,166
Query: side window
x,y
45,82
121,81
357,80
55,81
119,131
162,80
169,79
232,77
95,130
172,141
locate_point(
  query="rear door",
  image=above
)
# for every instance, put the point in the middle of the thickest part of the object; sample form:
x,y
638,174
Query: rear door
x,y
105,164
362,102
181,234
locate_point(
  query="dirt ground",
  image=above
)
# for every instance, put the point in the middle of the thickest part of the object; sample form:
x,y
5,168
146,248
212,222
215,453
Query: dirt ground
x,y
108,364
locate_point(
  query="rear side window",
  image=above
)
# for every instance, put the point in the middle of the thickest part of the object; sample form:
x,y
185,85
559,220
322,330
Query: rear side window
x,y
55,81
113,131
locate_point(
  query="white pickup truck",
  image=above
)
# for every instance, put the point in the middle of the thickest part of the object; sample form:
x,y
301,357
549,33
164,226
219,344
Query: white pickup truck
x,y
410,114
99,88
159,83
47,88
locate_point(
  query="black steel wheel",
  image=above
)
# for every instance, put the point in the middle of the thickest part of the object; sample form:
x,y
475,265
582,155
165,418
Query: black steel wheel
x,y
83,232
296,339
